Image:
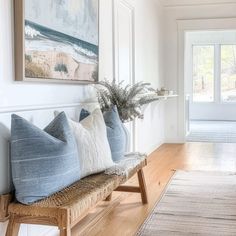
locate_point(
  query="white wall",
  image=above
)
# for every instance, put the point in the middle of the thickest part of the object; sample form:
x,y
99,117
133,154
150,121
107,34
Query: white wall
x,y
45,97
150,68
173,13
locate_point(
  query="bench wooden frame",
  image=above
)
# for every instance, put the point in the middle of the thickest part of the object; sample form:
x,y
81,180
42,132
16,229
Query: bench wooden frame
x,y
4,203
62,221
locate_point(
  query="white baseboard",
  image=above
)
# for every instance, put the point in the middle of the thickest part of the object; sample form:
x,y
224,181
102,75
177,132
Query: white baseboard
x,y
174,141
153,148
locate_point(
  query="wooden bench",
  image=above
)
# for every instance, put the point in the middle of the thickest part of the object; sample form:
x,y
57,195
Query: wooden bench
x,y
65,209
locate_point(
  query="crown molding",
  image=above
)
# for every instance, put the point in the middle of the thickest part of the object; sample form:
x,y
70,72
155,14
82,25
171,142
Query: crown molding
x,y
184,3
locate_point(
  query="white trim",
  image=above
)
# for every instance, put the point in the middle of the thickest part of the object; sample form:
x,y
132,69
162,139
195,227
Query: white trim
x,y
153,148
11,109
116,46
181,85
195,3
217,74
207,24
116,39
193,25
113,39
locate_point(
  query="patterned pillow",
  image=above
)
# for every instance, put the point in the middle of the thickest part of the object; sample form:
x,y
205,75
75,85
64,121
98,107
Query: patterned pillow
x,y
43,161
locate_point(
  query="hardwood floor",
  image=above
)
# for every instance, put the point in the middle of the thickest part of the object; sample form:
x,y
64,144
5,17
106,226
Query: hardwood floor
x,y
127,217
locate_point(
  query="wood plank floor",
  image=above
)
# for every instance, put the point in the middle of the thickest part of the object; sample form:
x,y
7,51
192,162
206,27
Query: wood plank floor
x,y
127,217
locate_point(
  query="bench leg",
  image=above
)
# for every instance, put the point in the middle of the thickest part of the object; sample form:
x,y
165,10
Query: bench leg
x,y
143,187
109,198
65,232
13,227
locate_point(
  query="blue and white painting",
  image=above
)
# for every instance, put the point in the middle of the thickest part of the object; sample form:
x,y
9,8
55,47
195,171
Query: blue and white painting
x,y
61,39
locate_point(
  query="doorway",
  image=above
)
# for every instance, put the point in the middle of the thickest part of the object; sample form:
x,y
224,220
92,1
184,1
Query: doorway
x,y
210,85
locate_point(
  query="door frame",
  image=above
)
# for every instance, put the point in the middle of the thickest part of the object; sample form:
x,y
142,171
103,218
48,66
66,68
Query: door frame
x,y
183,27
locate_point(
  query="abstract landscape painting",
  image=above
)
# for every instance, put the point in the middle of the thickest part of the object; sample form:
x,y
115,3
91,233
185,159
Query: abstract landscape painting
x,y
61,39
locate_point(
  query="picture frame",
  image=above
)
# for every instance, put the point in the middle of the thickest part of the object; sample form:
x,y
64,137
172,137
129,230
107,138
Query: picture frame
x,y
60,49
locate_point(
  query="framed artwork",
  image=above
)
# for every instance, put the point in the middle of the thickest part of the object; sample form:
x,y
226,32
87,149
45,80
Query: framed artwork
x,y
57,40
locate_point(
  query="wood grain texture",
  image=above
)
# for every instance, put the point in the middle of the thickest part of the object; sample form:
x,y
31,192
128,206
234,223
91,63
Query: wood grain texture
x,y
13,227
130,189
65,232
127,217
4,202
143,187
96,220
19,40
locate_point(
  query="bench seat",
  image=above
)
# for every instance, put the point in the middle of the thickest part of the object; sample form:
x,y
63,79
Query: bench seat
x,y
67,207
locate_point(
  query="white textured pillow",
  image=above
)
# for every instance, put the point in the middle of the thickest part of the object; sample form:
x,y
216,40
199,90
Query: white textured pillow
x,y
93,147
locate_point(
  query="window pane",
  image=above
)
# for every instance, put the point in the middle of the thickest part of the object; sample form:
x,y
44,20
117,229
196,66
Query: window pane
x,y
228,73
203,73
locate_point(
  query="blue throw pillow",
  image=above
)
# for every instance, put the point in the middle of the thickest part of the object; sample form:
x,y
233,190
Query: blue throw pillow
x,y
43,161
115,132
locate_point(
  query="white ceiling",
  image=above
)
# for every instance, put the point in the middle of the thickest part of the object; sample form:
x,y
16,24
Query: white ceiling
x,y
172,3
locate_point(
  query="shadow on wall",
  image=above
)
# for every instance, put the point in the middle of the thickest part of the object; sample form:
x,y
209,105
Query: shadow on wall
x,y
5,172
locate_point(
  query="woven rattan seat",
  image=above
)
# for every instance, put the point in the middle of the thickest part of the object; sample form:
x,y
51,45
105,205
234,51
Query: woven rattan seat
x,y
67,207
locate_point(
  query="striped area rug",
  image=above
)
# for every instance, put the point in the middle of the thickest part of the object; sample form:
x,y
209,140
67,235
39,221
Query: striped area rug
x,y
195,203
